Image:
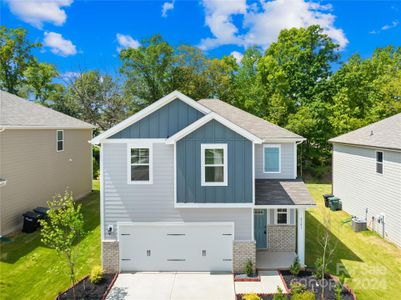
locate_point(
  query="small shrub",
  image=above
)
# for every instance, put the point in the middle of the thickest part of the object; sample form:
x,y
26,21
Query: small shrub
x,y
279,295
297,288
338,289
96,274
251,297
249,268
295,267
318,269
306,295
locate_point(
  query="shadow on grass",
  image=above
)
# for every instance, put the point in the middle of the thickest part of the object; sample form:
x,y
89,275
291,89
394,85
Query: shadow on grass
x,y
21,244
314,249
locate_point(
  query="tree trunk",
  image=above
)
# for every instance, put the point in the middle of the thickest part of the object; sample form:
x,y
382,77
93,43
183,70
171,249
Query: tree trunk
x,y
72,275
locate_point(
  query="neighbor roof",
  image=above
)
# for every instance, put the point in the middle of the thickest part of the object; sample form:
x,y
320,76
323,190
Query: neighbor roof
x,y
383,134
282,192
255,125
16,112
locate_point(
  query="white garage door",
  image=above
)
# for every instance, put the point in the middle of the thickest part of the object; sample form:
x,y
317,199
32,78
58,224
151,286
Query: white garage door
x,y
176,247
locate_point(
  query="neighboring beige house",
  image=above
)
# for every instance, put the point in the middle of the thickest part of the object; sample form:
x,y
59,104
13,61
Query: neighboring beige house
x,y
367,175
42,152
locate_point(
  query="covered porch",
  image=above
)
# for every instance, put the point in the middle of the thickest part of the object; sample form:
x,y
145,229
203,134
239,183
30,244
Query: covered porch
x,y
279,222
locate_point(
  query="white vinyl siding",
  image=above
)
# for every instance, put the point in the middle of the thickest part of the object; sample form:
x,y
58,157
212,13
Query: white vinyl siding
x,y
358,185
155,203
287,162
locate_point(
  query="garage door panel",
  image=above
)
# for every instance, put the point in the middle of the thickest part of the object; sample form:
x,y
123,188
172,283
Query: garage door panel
x,y
183,247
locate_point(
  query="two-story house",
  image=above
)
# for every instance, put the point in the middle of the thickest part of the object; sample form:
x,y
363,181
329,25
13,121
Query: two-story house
x,y
200,186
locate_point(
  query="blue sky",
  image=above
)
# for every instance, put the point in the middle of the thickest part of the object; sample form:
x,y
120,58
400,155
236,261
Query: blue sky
x,y
82,35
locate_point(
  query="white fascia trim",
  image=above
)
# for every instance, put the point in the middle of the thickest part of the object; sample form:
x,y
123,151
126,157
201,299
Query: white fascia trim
x,y
134,141
3,127
284,140
147,111
213,116
213,205
150,224
305,206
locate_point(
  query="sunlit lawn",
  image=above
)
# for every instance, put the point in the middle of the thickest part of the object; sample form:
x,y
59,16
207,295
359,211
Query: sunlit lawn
x,y
374,265
29,270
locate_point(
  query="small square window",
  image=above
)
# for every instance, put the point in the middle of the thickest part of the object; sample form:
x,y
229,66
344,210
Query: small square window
x,y
271,159
214,164
139,165
203,252
282,216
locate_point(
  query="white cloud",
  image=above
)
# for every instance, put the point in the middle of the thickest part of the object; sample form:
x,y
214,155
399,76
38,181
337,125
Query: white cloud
x,y
58,45
393,24
263,22
238,56
126,41
70,75
166,7
37,12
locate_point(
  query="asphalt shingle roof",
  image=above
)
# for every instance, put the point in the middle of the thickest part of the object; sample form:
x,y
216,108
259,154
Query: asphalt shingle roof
x,y
282,192
383,134
255,125
18,112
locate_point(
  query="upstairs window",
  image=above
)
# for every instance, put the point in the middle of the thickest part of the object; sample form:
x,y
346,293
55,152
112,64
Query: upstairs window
x,y
271,158
379,162
140,165
214,164
282,216
60,140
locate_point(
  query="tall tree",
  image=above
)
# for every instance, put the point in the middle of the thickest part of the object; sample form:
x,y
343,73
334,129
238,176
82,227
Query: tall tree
x,y
147,70
97,99
39,79
15,58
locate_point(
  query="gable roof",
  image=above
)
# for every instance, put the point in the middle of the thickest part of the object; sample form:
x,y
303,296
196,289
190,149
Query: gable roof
x,y
255,125
383,134
147,111
18,113
246,124
202,121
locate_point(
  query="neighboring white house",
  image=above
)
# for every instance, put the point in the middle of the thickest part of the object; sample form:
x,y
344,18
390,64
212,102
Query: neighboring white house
x,y
200,186
367,175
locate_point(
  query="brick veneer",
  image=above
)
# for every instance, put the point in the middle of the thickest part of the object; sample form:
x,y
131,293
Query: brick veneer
x,y
111,257
281,238
242,252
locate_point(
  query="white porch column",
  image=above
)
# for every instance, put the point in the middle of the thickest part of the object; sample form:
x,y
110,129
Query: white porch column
x,y
301,236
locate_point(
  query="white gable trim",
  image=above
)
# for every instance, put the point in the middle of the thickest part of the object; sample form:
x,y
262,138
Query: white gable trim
x,y
212,116
147,111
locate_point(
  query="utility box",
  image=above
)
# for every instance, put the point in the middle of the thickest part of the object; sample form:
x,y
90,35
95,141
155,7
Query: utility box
x,y
358,224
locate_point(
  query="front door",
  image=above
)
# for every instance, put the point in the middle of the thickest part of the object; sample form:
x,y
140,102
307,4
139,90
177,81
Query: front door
x,y
260,227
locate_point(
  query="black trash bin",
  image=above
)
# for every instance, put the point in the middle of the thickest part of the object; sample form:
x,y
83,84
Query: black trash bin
x,y
326,199
42,211
30,221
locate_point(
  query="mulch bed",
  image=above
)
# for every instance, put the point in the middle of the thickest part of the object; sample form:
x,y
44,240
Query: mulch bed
x,y
85,289
306,278
244,277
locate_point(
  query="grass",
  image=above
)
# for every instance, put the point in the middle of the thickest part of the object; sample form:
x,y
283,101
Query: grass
x,y
373,264
30,270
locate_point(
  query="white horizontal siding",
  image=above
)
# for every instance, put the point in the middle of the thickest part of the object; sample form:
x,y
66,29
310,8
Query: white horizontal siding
x,y
287,167
155,202
356,182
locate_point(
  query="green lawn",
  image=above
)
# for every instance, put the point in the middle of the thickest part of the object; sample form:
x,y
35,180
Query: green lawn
x,y
374,265
29,270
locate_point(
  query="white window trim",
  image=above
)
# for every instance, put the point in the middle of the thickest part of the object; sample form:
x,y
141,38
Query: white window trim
x,y
62,140
376,162
279,157
276,214
225,165
140,182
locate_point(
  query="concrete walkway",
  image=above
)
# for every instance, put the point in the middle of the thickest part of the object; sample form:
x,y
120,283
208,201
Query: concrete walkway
x,y
269,281
173,286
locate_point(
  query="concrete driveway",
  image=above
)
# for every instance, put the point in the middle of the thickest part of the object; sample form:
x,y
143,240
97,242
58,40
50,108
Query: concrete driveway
x,y
173,286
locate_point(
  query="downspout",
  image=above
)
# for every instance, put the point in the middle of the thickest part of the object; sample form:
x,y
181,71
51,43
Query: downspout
x,y
300,167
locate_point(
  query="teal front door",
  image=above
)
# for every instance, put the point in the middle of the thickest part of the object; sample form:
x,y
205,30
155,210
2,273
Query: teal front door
x,y
260,227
